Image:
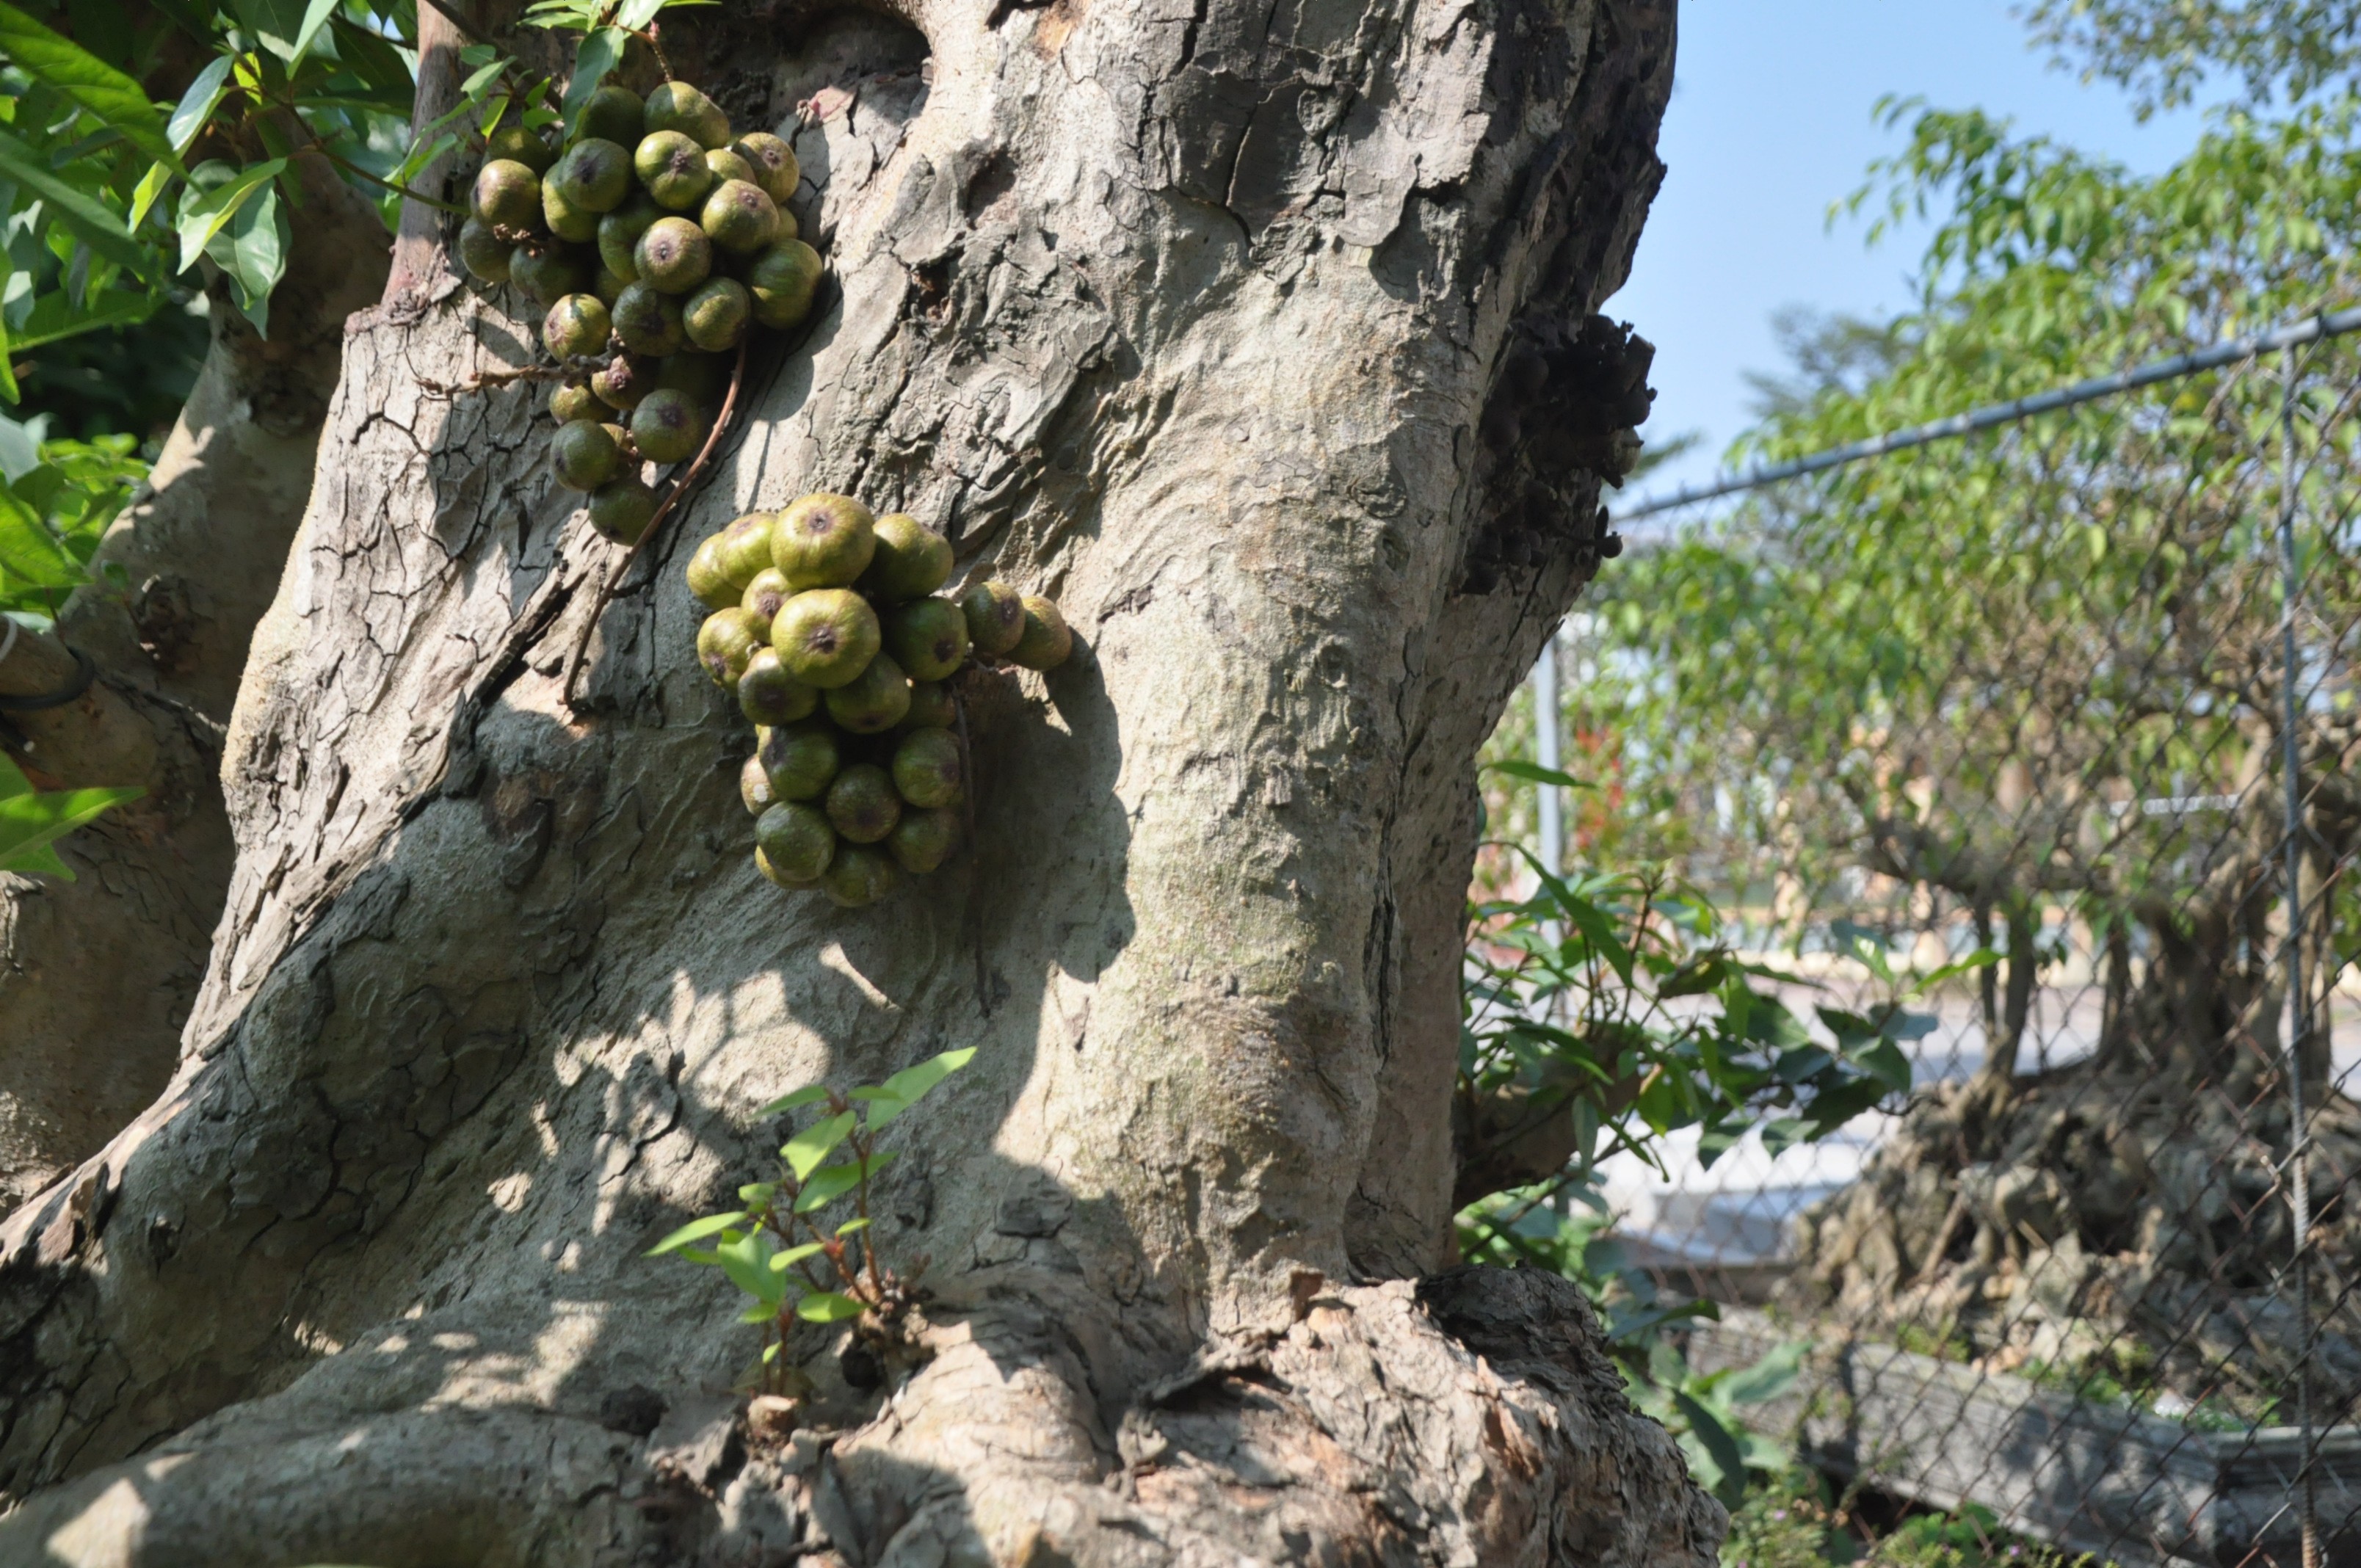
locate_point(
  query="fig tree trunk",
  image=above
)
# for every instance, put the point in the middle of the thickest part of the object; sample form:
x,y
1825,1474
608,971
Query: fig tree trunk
x,y
1263,340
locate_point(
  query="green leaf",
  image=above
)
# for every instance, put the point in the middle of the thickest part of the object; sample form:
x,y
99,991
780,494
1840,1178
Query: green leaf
x,y
637,14
906,1088
832,1182
210,212
789,1102
1773,1374
850,1226
1533,773
81,212
257,255
600,53
803,1152
29,823
784,1261
196,105
112,97
827,1307
1727,1479
315,16
746,1259
695,1231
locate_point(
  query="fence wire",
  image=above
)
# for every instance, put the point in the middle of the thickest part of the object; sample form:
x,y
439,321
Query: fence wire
x,y
2080,690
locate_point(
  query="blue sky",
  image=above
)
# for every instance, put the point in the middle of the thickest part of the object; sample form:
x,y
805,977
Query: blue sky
x,y
1770,121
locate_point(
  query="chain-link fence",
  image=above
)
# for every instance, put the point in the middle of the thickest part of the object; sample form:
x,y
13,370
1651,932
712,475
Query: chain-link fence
x,y
2077,692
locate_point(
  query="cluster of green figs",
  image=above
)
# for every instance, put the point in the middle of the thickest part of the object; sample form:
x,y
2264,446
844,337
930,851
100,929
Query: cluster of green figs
x,y
829,626
657,238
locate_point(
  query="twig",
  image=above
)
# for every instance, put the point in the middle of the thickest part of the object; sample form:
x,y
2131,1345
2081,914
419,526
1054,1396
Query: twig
x,y
580,365
656,527
406,193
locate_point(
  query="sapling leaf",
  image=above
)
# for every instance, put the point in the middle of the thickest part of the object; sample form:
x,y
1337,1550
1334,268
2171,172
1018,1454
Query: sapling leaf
x,y
696,1231
834,1181
909,1085
793,1255
827,1307
850,1226
786,1103
803,1152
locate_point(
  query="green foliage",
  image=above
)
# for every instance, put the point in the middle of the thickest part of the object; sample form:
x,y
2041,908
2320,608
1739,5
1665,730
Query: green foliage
x,y
31,821
58,499
2165,49
793,1264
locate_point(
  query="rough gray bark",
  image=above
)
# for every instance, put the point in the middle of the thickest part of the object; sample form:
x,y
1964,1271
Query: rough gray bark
x,y
1259,339
97,976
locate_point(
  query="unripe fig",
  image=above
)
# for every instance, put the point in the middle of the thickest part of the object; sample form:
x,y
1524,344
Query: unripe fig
x,y
674,256
927,638
619,235
859,875
484,253
547,272
765,595
704,377
873,701
564,217
726,165
911,562
672,166
932,706
753,784
667,427
677,106
625,380
607,286
583,456
613,113
715,316
647,322
620,509
862,804
1046,642
740,218
519,145
745,550
801,760
774,162
927,769
595,174
824,541
793,843
724,643
783,280
825,637
507,194
568,403
575,325
995,617
768,695
923,840
706,579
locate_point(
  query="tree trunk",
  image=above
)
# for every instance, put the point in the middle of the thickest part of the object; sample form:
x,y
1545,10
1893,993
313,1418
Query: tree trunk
x,y
97,975
1259,340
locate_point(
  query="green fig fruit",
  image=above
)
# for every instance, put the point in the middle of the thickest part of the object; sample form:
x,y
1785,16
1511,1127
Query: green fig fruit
x,y
783,280
619,235
708,580
647,322
726,164
594,175
621,509
768,695
568,403
793,843
507,194
824,541
923,840
484,253
862,804
801,760
753,784
1046,642
825,637
926,767
667,427
927,638
765,595
995,617
745,550
583,456
547,272
873,701
625,380
774,163
859,875
607,286
738,218
932,706
514,142
677,106
911,560
562,216
724,643
674,256
704,377
576,326
612,114
671,167
715,316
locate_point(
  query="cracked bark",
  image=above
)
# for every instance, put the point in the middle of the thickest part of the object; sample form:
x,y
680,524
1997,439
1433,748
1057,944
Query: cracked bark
x,y
1246,333
97,976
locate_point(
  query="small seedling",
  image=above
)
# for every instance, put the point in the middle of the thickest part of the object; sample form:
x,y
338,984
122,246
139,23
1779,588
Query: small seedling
x,y
780,1250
